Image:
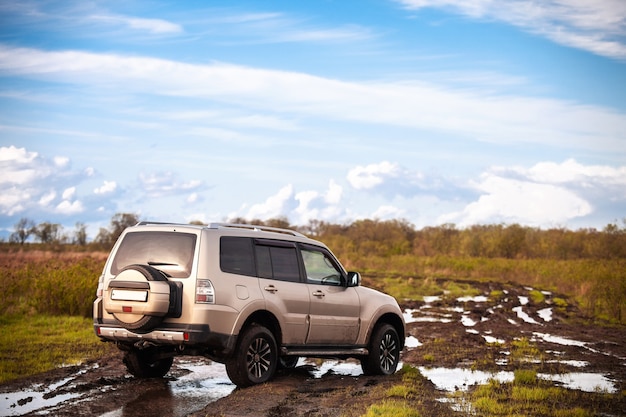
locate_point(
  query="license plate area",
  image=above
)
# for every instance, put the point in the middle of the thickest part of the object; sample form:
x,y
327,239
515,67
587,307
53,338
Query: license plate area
x,y
128,295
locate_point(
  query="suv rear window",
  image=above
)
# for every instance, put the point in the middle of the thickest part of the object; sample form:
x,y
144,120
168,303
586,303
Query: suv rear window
x,y
171,252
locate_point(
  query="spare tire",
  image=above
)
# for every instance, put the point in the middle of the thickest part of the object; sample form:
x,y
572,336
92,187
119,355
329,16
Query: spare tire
x,y
140,297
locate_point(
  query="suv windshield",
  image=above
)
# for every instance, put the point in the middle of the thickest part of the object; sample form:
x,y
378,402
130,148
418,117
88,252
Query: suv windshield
x,y
171,252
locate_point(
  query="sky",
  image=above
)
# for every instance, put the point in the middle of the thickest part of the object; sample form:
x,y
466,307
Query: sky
x,y
436,112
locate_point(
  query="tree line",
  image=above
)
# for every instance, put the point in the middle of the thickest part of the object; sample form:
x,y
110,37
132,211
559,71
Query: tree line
x,y
389,237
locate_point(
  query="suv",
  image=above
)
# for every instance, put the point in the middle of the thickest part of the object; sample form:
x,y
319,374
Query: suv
x,y
255,298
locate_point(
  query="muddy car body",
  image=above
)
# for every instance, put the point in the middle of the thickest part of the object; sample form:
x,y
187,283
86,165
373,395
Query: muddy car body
x,y
252,297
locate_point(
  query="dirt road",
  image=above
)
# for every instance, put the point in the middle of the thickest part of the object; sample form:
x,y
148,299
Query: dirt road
x,y
455,344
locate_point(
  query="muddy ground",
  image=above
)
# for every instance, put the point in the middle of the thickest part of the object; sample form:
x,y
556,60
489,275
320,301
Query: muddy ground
x,y
453,342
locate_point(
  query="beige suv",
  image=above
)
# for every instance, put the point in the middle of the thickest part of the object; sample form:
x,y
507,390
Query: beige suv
x,y
252,297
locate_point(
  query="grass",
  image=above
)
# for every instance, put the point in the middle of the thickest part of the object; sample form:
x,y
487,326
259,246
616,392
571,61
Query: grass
x,y
598,286
392,409
33,344
528,396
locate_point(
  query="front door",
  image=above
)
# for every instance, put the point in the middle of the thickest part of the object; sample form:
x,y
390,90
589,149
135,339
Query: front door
x,y
334,310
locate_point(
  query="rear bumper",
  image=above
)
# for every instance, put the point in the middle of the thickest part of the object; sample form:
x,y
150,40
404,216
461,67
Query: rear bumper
x,y
192,336
160,336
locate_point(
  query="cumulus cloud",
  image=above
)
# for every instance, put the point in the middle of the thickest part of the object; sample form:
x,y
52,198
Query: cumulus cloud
x,y
70,207
546,194
298,206
391,180
370,176
20,170
34,186
106,188
274,206
597,26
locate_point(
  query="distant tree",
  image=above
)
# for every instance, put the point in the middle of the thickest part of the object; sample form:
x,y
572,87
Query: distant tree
x,y
197,222
80,234
280,222
48,232
119,222
23,229
512,241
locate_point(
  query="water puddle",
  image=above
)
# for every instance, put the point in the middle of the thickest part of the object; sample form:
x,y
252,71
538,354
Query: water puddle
x,y
345,368
206,382
39,396
459,379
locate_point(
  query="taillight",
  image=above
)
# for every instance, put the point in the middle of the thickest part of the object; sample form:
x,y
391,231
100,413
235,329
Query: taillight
x,y
205,292
100,288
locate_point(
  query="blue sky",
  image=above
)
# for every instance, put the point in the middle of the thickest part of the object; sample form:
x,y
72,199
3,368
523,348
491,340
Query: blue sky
x,y
434,111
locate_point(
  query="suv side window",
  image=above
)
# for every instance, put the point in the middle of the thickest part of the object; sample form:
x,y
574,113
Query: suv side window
x,y
236,255
277,260
320,267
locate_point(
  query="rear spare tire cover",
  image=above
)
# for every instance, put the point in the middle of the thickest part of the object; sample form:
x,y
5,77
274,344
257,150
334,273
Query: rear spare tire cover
x,y
137,313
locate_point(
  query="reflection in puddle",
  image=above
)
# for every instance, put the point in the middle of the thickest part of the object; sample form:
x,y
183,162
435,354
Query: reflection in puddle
x,y
459,379
347,368
205,383
26,401
412,342
22,402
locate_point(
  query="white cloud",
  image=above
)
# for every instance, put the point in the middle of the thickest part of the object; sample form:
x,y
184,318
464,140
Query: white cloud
x,y
597,26
165,183
106,188
388,212
68,207
413,104
546,194
334,193
370,176
47,198
17,155
61,161
16,166
506,200
274,206
155,26
68,193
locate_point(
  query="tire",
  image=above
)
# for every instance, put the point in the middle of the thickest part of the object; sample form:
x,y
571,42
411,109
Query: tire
x,y
143,323
144,363
288,362
256,358
384,353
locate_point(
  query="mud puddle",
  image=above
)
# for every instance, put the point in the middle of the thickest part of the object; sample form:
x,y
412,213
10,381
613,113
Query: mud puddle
x,y
191,384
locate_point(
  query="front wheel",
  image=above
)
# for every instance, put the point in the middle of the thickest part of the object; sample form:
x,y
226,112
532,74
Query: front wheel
x,y
256,358
384,352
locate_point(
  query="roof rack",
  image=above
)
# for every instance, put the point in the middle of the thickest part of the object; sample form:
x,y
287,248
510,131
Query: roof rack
x,y
256,227
147,223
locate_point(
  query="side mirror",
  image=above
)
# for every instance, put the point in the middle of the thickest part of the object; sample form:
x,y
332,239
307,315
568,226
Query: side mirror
x,y
354,279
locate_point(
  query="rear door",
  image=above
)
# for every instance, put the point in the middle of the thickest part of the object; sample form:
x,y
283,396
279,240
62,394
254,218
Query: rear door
x,y
278,269
335,308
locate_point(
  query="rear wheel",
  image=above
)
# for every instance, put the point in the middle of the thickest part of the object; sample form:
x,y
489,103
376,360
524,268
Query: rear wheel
x,y
147,363
255,359
384,353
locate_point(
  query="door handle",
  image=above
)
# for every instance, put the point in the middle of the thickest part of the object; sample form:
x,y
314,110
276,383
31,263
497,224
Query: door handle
x,y
318,293
271,288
